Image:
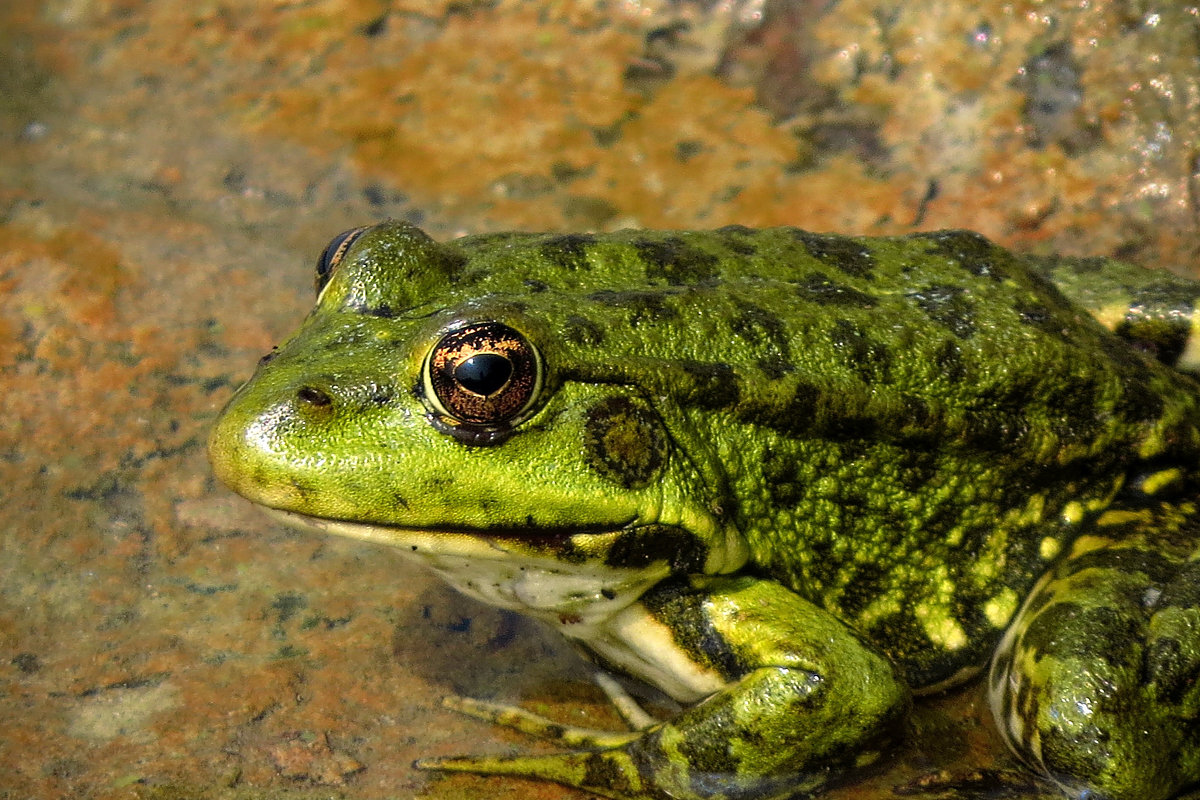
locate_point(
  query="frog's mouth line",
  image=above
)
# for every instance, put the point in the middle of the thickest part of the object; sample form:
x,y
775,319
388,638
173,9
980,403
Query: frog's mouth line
x,y
551,578
448,540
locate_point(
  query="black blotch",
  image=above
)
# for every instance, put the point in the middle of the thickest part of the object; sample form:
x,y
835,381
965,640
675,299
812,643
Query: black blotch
x,y
642,305
452,263
674,599
599,771
818,288
799,413
625,442
973,252
948,306
738,239
766,332
1075,401
870,359
714,385
675,261
582,331
1038,316
842,253
568,251
644,545
535,286
781,477
712,762
1001,666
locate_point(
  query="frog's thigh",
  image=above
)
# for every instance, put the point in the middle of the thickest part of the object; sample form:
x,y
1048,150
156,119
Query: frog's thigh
x,y
1095,681
806,698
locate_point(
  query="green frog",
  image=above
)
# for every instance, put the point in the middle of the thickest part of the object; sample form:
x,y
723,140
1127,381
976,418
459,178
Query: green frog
x,y
792,480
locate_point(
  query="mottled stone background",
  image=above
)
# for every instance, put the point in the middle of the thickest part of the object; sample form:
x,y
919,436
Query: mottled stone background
x,y
169,171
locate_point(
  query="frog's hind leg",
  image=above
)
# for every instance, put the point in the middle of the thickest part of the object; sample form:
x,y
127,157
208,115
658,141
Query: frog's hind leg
x,y
1096,682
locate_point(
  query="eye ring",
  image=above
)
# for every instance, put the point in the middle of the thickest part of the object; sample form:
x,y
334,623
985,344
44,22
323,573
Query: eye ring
x,y
333,254
482,375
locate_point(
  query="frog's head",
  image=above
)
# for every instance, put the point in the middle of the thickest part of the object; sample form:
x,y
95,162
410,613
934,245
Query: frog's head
x,y
433,407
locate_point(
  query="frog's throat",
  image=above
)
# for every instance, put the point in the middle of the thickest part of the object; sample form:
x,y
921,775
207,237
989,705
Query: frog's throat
x,y
521,573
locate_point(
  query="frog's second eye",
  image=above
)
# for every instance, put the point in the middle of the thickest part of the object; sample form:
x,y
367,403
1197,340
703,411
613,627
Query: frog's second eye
x,y
333,254
484,374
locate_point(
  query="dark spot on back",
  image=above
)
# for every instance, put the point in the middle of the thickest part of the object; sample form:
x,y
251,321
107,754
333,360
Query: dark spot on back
x,y
818,288
739,239
676,262
453,265
568,251
715,384
767,334
842,253
800,411
642,305
860,352
948,306
1040,317
580,330
975,253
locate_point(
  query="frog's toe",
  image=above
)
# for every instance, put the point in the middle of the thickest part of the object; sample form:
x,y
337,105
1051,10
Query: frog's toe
x,y
534,725
609,773
629,773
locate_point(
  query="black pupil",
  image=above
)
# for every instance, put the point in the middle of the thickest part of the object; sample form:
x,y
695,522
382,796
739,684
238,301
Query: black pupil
x,y
483,373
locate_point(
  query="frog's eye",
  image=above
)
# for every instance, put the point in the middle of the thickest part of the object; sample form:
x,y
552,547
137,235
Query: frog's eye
x,y
333,254
484,374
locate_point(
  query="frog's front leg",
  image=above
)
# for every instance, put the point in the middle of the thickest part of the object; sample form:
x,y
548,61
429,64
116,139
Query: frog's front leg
x,y
801,699
1097,681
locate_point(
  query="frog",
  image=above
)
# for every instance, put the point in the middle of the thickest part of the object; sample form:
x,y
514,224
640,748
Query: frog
x,y
794,481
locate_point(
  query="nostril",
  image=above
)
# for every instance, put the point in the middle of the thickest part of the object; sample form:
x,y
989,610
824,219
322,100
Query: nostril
x,y
314,397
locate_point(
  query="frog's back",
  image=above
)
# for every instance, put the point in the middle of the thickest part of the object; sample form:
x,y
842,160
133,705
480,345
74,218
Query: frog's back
x,y
911,428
